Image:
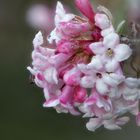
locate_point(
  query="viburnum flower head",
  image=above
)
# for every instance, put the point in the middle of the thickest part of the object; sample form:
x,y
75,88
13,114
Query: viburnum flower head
x,y
79,68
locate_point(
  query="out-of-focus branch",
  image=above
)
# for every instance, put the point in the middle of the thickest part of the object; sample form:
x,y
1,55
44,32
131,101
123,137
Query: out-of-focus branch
x,y
134,34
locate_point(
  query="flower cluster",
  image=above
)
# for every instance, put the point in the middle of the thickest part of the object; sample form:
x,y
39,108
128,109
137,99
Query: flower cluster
x,y
80,69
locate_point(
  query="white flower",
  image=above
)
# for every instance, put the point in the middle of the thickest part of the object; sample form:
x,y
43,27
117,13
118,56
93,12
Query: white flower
x,y
111,124
111,52
101,80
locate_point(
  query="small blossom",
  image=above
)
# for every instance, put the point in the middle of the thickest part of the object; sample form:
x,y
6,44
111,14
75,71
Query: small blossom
x,y
111,53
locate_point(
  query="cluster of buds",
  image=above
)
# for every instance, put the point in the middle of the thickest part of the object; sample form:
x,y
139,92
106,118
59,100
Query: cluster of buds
x,y
80,69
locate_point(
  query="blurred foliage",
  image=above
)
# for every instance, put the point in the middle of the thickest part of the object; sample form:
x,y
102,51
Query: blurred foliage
x,y
22,116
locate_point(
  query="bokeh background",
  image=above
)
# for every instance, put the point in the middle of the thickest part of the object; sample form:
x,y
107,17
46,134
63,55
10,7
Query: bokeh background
x,y
22,116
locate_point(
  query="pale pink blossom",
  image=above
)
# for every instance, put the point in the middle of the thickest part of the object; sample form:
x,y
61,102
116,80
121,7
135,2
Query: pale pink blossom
x,y
79,69
100,79
111,124
111,52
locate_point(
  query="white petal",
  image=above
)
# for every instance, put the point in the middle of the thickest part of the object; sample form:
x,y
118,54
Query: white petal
x,y
134,109
88,115
101,87
60,109
122,52
38,40
117,78
97,48
113,79
130,94
84,69
102,21
103,103
110,124
122,120
68,17
93,124
51,75
51,103
111,65
60,13
132,82
111,40
87,82
32,71
53,36
96,63
58,59
107,31
46,93
115,93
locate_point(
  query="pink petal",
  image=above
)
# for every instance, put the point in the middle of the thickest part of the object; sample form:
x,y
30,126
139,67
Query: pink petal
x,y
102,21
72,29
74,112
67,94
46,51
39,83
80,94
40,77
64,47
91,101
72,77
85,7
59,59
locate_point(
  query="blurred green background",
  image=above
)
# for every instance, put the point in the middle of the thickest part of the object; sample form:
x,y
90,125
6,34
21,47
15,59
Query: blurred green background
x,y
22,116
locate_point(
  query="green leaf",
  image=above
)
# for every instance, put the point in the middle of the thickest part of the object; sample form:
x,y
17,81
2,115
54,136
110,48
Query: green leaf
x,y
120,27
